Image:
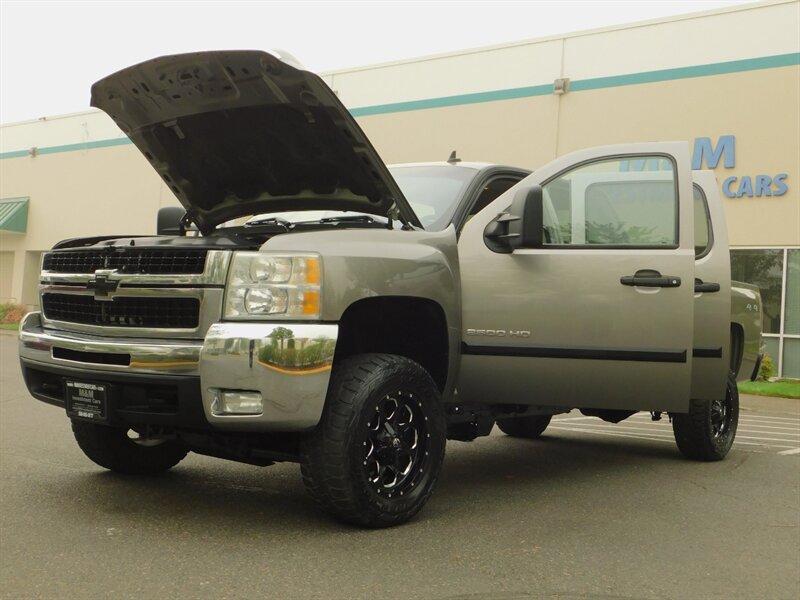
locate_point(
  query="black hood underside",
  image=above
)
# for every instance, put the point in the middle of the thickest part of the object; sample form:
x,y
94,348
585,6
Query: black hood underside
x,y
241,132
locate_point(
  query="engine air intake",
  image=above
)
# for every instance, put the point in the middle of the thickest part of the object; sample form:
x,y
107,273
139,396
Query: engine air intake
x,y
172,313
127,260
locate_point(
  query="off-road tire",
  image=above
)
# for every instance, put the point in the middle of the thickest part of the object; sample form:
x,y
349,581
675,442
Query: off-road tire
x,y
339,465
530,427
695,431
111,448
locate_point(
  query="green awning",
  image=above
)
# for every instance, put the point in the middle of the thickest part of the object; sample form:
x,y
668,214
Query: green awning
x,y
14,215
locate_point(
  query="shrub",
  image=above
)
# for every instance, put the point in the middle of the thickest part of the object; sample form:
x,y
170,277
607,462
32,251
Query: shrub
x,y
12,313
767,368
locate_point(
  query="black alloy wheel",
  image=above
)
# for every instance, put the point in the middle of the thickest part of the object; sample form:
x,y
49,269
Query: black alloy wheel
x,y
720,417
707,431
376,454
395,448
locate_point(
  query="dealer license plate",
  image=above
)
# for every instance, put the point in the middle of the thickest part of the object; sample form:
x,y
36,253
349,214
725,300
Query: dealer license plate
x,y
86,400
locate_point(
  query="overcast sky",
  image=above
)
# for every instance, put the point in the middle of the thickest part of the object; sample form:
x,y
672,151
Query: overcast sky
x,y
51,52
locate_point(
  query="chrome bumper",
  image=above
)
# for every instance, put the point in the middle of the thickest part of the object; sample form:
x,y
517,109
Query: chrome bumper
x,y
289,364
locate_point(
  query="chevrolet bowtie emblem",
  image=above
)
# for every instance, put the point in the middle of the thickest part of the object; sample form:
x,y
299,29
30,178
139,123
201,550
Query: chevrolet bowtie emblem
x,y
102,286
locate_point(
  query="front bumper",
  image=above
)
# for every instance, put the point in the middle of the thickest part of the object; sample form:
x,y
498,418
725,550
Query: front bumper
x,y
174,382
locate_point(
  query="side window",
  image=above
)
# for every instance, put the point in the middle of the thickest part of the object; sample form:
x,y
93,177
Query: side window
x,y
703,234
616,202
491,191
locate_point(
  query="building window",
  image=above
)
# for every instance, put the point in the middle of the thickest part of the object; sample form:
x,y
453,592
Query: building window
x,y
776,271
762,268
791,339
793,292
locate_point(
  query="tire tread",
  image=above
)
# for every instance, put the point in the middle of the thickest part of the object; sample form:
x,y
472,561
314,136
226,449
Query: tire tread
x,y
692,432
325,465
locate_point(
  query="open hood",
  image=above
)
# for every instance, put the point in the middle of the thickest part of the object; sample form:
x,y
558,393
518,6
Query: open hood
x,y
236,133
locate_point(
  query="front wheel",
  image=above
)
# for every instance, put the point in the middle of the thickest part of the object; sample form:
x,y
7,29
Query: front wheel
x,y
116,450
707,431
376,454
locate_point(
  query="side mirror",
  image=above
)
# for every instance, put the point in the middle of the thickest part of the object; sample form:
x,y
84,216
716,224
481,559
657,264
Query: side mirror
x,y
169,220
521,226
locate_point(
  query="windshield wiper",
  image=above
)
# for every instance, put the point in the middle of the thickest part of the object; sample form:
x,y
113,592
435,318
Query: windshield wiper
x,y
278,221
349,219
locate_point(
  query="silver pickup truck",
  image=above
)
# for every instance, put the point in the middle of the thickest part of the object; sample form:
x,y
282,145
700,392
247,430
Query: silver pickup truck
x,y
330,311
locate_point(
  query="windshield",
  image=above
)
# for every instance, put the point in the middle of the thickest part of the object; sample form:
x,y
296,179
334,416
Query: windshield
x,y
297,217
433,191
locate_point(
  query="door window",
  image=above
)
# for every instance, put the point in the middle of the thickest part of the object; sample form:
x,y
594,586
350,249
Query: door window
x,y
606,204
703,235
490,192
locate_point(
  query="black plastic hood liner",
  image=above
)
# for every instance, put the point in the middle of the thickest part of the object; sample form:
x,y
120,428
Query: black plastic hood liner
x,y
236,133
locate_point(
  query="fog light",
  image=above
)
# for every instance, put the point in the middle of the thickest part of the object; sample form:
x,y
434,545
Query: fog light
x,y
236,402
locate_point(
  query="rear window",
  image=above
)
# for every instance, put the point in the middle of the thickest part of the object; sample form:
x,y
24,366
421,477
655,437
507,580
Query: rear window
x,y
433,191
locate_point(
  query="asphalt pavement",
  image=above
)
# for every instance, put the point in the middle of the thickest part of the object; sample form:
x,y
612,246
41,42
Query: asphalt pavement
x,y
591,510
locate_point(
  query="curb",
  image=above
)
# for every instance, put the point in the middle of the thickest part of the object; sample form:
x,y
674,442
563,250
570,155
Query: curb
x,y
754,404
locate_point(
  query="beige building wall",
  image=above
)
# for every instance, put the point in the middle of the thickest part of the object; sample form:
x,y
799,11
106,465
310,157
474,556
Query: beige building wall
x,y
101,191
95,192
760,108
520,132
6,273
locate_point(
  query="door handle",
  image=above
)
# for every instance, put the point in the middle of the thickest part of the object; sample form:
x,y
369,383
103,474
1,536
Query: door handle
x,y
707,288
650,278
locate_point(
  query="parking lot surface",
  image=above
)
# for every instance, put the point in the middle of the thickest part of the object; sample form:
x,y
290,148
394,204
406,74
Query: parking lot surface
x,y
592,510
772,433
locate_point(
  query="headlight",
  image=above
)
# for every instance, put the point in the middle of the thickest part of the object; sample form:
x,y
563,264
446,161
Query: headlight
x,y
269,286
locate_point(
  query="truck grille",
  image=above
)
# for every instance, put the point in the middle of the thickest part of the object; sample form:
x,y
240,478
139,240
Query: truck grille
x,y
177,313
127,260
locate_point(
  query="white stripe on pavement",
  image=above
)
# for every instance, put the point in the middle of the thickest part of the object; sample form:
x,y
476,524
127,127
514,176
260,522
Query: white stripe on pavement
x,y
638,437
778,437
751,424
788,419
758,432
663,437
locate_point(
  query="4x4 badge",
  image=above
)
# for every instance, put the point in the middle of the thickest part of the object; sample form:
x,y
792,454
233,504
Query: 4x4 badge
x,y
102,285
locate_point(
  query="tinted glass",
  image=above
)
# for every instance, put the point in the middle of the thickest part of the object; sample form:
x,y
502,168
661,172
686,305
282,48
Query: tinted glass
x,y
792,325
791,357
763,268
702,224
433,191
605,203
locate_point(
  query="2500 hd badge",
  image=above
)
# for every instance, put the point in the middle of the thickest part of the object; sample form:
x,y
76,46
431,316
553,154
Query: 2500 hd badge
x,y
499,333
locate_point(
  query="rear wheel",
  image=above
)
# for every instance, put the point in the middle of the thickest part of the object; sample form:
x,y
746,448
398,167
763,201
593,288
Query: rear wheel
x,y
530,427
123,451
707,431
376,454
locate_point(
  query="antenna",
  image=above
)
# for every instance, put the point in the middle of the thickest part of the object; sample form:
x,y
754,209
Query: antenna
x,y
453,159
